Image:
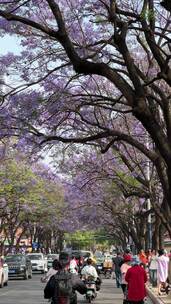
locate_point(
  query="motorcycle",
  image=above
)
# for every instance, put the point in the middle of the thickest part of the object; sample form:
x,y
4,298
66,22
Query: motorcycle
x,y
107,273
99,268
91,289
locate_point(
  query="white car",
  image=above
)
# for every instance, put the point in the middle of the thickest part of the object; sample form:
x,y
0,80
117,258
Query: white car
x,y
38,262
3,273
51,258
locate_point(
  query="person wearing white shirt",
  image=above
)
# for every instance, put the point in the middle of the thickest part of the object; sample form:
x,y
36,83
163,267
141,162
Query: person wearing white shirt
x,y
89,270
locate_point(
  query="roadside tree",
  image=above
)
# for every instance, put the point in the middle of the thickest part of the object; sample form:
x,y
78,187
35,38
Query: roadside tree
x,y
93,61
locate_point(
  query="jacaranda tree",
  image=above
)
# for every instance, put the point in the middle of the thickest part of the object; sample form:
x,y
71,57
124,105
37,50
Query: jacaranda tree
x,y
83,65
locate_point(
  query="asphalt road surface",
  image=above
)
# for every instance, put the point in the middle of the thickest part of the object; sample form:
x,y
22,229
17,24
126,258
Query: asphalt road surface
x,y
31,292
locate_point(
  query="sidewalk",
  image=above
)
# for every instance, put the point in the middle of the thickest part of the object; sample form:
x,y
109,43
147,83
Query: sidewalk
x,y
163,299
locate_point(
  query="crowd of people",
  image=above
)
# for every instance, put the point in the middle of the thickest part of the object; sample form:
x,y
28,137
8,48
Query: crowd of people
x,y
134,272
63,276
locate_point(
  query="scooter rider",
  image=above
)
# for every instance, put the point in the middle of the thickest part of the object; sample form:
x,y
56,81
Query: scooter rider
x,y
73,268
77,284
90,271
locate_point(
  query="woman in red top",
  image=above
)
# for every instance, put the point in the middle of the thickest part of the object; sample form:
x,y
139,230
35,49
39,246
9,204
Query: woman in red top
x,y
136,278
142,257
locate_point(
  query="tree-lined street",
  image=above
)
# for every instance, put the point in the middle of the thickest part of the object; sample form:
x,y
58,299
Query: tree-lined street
x,y
85,135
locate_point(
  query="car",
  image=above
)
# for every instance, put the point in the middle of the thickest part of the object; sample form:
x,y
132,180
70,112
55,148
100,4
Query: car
x,y
19,266
51,258
3,273
38,262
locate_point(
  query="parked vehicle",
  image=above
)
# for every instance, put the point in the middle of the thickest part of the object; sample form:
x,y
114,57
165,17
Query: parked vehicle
x,y
51,258
19,266
3,273
38,262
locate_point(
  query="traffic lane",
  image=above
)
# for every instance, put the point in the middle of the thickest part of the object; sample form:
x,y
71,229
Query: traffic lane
x,y
21,291
31,292
108,294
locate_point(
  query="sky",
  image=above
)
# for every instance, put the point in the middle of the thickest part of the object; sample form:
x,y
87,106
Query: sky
x,y
9,44
12,44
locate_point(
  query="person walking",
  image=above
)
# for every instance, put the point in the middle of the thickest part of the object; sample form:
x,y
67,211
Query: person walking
x,y
117,264
153,268
162,269
124,268
143,258
136,278
52,271
169,275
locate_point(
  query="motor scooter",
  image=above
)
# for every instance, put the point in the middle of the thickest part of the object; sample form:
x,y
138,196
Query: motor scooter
x,y
108,273
91,289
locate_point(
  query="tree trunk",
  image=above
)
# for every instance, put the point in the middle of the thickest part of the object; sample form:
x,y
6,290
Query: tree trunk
x,y
155,238
161,236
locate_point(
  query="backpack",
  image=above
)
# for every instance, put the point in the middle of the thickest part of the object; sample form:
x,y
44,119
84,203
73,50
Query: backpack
x,y
63,284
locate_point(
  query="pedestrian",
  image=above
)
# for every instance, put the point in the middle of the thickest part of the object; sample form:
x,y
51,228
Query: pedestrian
x,y
52,271
136,278
124,268
142,257
148,255
169,275
162,270
126,252
153,268
117,264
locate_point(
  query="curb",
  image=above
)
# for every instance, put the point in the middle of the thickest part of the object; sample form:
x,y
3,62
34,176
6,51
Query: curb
x,y
153,297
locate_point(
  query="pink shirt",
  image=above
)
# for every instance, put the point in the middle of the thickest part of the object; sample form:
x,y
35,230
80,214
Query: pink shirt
x,y
124,269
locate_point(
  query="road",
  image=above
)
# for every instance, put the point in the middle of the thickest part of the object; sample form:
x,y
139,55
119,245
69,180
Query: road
x,y
31,292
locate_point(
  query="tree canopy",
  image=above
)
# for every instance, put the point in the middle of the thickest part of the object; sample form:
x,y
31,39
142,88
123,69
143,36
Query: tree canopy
x,y
91,72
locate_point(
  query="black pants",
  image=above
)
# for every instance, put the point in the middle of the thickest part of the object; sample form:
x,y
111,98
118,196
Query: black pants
x,y
124,288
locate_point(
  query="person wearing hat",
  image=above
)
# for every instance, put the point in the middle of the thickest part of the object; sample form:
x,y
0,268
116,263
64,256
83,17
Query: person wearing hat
x,y
124,268
51,290
136,278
